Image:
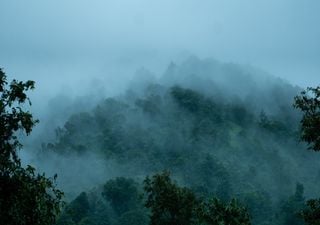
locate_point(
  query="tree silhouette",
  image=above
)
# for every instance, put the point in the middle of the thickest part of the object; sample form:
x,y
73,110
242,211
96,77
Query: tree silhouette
x,y
26,197
309,103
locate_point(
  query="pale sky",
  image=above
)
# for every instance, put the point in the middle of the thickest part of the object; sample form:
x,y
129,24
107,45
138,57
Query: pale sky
x,y
57,42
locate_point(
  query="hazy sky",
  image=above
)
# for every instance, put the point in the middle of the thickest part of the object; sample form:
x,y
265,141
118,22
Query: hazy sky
x,y
59,41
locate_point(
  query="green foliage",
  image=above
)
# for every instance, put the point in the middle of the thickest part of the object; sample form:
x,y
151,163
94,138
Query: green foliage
x,y
311,213
13,118
239,114
214,211
165,202
79,208
85,209
212,179
207,114
122,194
275,127
259,206
25,196
188,99
309,103
94,209
169,204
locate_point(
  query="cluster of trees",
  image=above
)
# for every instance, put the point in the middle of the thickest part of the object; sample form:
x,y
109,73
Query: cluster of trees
x,y
159,202
164,128
172,128
216,148
162,201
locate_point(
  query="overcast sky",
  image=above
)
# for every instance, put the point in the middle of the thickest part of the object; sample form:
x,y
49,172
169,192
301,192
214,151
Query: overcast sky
x,y
59,41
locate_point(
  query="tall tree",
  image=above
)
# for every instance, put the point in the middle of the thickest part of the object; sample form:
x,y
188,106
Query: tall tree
x,y
26,197
309,103
169,203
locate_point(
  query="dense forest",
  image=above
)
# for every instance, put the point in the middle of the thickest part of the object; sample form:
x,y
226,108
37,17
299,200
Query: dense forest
x,y
204,143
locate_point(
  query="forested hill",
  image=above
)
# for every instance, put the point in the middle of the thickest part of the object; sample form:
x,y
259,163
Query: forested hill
x,y
221,129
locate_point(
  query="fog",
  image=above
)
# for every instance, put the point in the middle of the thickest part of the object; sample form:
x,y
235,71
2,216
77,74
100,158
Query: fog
x,y
61,44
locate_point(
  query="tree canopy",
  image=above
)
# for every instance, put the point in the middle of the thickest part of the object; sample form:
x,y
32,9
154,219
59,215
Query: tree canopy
x,y
173,205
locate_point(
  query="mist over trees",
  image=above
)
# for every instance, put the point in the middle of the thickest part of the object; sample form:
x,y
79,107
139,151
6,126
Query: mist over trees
x,y
170,112
227,133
